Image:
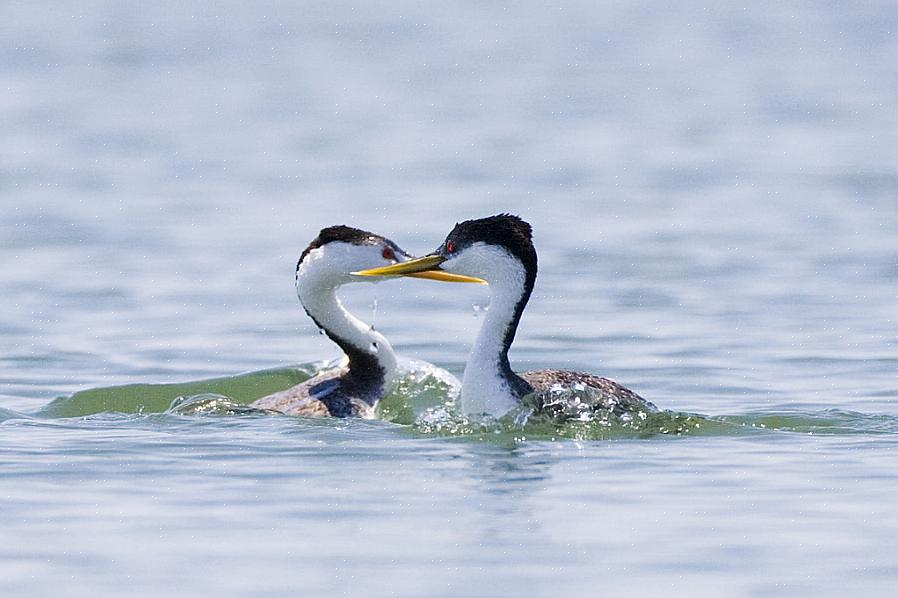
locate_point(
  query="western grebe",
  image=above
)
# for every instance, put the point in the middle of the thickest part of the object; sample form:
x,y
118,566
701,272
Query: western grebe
x,y
499,250
324,266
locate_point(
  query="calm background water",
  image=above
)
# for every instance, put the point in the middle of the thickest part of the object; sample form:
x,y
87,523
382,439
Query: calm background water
x,y
714,192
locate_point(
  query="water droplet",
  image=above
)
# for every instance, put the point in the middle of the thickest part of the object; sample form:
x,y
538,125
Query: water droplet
x,y
373,347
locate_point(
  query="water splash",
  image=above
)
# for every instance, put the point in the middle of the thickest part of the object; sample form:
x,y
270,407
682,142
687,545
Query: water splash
x,y
524,423
212,404
418,387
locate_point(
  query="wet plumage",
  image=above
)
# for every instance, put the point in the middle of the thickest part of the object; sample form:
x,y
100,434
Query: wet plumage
x,y
551,388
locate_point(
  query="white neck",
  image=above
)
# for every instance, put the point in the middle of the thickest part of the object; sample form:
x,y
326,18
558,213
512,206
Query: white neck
x,y
323,305
485,391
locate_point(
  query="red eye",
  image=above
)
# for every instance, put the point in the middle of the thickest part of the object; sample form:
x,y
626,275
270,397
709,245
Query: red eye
x,y
388,253
450,247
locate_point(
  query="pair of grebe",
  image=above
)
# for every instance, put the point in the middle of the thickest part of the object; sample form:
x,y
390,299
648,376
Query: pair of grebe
x,y
498,251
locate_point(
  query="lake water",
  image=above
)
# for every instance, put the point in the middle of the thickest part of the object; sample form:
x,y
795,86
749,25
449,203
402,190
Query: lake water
x,y
714,193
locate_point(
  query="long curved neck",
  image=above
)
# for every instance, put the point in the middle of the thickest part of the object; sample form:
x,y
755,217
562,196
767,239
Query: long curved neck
x,y
490,386
372,361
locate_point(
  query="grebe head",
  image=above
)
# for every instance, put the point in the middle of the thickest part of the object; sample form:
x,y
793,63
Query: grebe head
x,y
491,249
338,251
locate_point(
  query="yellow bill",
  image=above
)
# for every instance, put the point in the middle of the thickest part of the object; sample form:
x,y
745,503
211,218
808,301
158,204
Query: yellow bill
x,y
441,276
422,267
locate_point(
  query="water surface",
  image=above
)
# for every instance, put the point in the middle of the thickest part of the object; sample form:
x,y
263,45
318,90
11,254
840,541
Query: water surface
x,y
713,196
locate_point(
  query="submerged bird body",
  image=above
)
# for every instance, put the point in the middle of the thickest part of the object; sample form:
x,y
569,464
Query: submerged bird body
x,y
325,395
500,251
354,388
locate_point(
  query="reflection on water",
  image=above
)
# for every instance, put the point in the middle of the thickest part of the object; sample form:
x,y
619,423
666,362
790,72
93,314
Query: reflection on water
x,y
511,478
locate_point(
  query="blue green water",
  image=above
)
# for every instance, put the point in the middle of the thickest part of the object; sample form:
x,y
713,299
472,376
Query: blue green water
x,y
712,190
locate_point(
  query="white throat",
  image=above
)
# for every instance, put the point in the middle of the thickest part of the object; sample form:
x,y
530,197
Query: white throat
x,y
319,297
484,390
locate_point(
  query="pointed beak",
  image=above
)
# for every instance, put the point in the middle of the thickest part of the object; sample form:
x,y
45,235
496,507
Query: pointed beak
x,y
422,267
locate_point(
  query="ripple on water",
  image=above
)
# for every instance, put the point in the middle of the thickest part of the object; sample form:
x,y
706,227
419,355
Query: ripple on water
x,y
423,400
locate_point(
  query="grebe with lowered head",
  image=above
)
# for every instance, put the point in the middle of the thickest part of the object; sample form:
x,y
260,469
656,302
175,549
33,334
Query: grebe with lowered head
x,y
324,266
499,250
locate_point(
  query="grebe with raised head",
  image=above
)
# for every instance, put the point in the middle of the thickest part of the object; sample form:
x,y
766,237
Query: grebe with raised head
x,y
500,250
324,266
